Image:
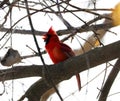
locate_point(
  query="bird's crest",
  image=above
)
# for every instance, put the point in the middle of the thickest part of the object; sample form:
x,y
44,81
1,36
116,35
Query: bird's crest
x,y
51,31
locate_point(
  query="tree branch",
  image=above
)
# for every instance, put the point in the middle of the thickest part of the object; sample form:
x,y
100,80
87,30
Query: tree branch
x,y
64,31
65,70
95,57
105,90
20,72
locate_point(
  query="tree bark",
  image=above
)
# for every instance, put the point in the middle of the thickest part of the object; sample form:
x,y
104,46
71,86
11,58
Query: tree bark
x,y
84,28
106,88
80,63
62,71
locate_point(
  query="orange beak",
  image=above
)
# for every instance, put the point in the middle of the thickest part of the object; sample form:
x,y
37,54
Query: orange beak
x,y
45,37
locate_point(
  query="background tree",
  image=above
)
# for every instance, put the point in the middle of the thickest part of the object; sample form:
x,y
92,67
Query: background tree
x,y
81,24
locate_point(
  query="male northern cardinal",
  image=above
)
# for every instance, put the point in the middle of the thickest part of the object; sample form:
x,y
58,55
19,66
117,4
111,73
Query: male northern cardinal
x,y
57,50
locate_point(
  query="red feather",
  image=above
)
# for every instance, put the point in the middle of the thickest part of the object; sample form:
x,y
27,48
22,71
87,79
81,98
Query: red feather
x,y
57,50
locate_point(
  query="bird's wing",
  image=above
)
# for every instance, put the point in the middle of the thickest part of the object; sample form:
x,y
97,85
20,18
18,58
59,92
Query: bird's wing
x,y
67,50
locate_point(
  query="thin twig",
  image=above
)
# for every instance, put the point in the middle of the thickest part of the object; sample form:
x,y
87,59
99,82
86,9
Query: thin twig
x,y
22,19
109,81
39,52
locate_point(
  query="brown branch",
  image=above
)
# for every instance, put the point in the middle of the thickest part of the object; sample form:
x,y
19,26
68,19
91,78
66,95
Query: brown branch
x,y
65,70
20,72
62,32
96,57
105,90
21,31
3,3
32,93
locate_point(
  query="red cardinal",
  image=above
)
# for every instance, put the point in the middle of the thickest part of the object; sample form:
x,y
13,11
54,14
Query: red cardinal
x,y
57,50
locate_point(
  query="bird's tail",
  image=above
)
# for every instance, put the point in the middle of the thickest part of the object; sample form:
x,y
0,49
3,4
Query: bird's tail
x,y
78,81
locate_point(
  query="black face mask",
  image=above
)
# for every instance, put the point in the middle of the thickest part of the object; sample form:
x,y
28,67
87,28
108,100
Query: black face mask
x,y
47,39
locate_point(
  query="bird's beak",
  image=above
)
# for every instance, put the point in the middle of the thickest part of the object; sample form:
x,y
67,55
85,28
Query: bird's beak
x,y
44,37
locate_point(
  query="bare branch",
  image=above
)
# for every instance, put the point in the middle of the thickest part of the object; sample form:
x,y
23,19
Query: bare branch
x,y
70,67
105,90
64,31
20,72
96,57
